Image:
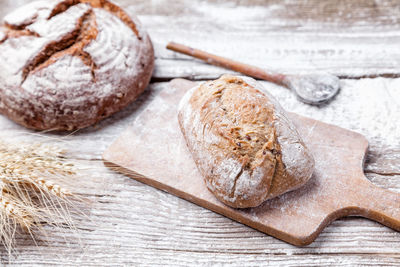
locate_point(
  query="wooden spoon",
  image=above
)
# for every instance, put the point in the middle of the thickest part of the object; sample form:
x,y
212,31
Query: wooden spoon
x,y
312,89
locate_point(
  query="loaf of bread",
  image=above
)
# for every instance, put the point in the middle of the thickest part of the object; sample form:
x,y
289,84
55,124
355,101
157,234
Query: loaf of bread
x,y
242,142
66,64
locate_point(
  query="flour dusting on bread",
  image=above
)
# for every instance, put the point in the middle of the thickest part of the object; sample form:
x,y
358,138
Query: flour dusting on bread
x,y
237,137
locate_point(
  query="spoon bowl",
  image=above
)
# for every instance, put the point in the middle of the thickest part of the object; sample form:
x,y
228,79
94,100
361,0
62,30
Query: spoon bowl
x,y
314,89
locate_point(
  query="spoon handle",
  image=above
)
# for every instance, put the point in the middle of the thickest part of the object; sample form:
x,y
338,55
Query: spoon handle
x,y
249,70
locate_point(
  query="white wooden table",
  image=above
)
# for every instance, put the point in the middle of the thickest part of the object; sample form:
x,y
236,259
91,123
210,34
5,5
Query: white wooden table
x,y
133,224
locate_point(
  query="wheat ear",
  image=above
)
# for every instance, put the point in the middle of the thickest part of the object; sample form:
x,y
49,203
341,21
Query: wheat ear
x,y
28,194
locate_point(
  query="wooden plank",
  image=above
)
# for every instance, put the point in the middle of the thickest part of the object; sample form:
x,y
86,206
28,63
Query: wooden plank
x,y
129,219
349,38
286,52
352,109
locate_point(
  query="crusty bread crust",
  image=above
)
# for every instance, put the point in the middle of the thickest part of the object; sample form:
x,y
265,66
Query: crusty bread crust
x,y
67,64
242,142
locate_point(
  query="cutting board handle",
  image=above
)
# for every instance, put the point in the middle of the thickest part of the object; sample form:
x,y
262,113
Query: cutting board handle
x,y
375,203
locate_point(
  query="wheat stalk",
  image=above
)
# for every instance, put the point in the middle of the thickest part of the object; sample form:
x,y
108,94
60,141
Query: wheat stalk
x,y
29,195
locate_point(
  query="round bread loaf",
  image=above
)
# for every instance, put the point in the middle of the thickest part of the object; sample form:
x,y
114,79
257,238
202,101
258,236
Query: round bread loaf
x,y
243,144
67,64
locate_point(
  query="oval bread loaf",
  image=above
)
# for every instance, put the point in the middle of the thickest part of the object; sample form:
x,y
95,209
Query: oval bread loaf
x,y
67,64
243,144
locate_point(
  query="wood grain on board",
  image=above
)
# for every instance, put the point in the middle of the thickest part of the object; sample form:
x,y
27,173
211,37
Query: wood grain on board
x,y
132,223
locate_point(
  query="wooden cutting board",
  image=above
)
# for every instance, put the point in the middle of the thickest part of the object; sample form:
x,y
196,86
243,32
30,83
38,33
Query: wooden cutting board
x,y
152,150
